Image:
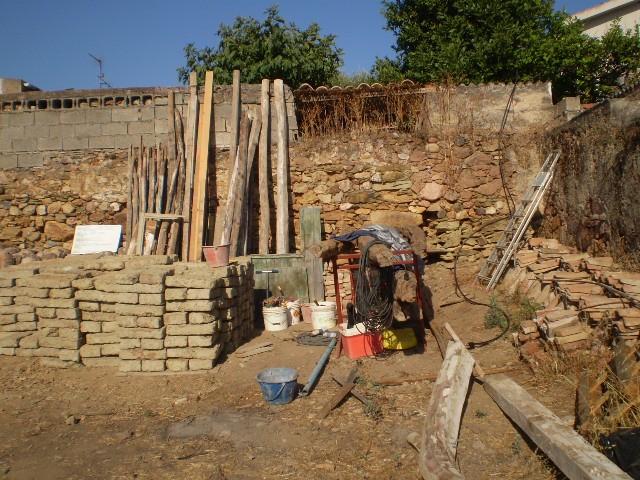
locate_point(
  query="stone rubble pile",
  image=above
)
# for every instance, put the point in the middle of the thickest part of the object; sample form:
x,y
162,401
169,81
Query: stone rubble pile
x,y
140,314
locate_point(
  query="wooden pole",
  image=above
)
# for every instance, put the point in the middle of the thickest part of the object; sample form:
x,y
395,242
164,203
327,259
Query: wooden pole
x,y
254,137
200,178
234,121
238,203
282,202
311,231
192,135
129,228
264,172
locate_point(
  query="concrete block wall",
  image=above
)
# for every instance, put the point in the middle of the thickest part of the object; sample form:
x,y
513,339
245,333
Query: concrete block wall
x,y
35,126
139,314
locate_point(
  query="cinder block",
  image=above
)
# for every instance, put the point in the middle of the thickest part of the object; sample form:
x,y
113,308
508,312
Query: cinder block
x,y
152,365
200,294
123,141
37,131
160,113
45,312
177,364
83,283
4,301
200,364
14,309
175,294
98,296
73,117
28,160
102,142
8,160
113,128
74,143
9,133
24,144
9,351
88,130
69,355
161,126
57,323
147,113
47,118
29,342
62,131
223,139
90,351
4,119
11,339
126,114
22,119
98,115
150,139
50,143
31,292
107,286
140,127
160,354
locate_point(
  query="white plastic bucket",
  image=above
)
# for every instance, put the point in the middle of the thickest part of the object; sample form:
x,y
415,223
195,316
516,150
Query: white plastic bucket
x,y
323,315
294,312
275,318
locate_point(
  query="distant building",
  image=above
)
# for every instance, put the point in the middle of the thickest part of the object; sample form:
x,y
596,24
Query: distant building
x,y
15,85
598,19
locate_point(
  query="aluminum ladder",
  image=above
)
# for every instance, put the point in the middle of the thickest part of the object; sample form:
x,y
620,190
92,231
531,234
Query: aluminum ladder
x,y
497,262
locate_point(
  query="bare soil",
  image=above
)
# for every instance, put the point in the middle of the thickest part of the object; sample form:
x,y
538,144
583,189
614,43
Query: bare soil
x,y
86,423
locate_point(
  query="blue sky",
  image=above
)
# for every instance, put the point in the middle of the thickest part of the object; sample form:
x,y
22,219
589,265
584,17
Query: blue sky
x,y
47,42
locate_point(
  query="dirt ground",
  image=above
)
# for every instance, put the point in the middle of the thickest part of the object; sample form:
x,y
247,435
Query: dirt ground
x,y
83,423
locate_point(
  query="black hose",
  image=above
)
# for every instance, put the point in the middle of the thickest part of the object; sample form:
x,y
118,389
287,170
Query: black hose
x,y
507,327
374,293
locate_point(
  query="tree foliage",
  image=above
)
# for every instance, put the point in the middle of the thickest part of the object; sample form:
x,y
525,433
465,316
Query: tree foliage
x,y
271,48
503,41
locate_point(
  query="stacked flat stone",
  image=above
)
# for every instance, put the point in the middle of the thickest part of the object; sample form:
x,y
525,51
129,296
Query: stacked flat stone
x,y
194,296
56,309
142,329
17,322
236,312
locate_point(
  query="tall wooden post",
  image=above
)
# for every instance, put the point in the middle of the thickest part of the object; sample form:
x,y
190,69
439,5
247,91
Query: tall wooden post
x,y
237,205
282,169
264,172
192,135
200,178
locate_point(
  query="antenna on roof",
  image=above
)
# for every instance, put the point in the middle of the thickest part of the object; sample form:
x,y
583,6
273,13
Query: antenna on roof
x,y
101,81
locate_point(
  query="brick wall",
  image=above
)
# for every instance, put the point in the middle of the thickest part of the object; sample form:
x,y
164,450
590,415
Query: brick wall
x,y
35,126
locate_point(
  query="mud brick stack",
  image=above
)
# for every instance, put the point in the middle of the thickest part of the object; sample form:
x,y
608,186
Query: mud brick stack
x,y
142,330
17,322
193,338
56,313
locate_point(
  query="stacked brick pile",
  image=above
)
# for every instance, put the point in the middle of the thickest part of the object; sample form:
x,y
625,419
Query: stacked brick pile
x,y
205,312
135,313
17,322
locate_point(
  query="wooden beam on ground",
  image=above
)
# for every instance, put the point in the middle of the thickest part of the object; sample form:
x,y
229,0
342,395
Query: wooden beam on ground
x,y
311,231
346,387
191,139
282,169
571,453
264,169
442,419
237,206
201,172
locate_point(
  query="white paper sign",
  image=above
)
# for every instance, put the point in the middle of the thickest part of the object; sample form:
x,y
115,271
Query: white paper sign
x,y
96,239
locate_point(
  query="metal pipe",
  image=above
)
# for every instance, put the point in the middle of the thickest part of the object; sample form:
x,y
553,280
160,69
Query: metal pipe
x,y
315,375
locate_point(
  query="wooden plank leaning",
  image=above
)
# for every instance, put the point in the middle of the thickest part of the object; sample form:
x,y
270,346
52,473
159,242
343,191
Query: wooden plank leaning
x,y
282,170
191,139
201,172
264,170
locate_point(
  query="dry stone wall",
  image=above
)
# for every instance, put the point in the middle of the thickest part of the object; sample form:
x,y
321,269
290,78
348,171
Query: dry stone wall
x,y
136,313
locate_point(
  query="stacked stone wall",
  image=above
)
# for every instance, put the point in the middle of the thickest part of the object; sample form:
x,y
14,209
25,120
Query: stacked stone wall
x,y
136,313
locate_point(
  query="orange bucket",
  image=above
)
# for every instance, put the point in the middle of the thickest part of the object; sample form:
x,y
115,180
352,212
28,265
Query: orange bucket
x,y
216,256
357,345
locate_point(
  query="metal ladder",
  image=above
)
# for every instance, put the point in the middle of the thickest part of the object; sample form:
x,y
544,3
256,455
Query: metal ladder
x,y
497,262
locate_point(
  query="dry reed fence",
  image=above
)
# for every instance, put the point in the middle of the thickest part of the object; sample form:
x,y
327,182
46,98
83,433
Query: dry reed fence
x,y
327,111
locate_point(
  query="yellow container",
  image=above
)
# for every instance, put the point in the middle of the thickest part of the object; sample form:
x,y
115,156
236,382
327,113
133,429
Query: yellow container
x,y
399,339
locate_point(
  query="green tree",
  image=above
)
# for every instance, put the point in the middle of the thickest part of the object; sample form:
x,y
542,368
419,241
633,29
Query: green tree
x,y
503,41
271,48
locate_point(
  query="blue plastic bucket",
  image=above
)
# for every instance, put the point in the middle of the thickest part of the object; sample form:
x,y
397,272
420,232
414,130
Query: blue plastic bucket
x,y
278,385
